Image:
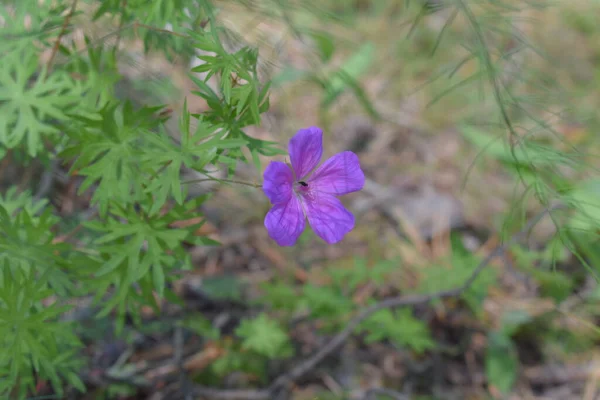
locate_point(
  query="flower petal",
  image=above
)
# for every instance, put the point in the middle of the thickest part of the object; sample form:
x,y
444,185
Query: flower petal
x,y
328,217
278,182
338,175
285,222
306,149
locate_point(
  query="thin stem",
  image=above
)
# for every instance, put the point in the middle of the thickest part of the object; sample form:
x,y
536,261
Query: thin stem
x,y
121,24
133,25
67,236
153,28
160,170
63,30
256,185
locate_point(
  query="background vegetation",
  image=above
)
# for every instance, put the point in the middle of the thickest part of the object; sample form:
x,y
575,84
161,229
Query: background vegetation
x,y
134,260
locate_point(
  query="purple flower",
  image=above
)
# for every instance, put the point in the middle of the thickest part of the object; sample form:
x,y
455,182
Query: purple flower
x,y
297,192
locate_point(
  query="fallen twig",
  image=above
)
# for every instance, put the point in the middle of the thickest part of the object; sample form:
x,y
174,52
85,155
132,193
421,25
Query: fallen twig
x,y
372,394
560,374
235,394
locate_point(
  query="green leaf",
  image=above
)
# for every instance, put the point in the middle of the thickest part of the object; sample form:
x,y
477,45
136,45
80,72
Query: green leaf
x,y
326,301
201,326
444,277
264,336
350,71
585,199
512,320
158,276
108,152
100,72
32,104
325,44
114,263
256,160
225,287
13,201
358,92
361,273
554,284
400,327
279,296
74,380
143,250
288,74
524,155
501,363
36,343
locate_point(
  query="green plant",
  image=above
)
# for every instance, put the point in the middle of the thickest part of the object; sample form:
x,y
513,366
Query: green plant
x,y
66,109
401,328
459,266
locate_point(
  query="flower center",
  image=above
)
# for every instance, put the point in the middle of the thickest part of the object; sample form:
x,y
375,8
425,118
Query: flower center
x,y
302,188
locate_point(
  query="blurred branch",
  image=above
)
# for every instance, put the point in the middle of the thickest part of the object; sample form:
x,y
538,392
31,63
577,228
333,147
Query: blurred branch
x,y
285,381
255,185
121,24
178,342
372,394
62,33
69,235
46,181
234,394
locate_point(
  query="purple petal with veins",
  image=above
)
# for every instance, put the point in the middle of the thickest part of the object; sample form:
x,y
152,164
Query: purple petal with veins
x,y
306,149
328,217
341,174
278,182
285,222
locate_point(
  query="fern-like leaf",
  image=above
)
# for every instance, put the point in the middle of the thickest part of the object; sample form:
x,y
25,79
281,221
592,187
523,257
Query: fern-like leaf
x,y
31,104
